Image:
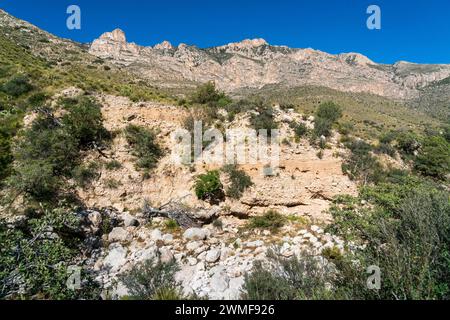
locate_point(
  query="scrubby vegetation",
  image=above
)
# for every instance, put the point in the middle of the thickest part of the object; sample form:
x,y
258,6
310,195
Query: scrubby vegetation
x,y
35,259
208,187
153,280
287,279
239,181
326,116
271,220
144,145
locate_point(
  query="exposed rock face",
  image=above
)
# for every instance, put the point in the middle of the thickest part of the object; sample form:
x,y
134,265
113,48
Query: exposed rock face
x,y
255,63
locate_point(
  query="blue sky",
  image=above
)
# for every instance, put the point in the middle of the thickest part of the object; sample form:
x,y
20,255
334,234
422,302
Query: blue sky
x,y
416,31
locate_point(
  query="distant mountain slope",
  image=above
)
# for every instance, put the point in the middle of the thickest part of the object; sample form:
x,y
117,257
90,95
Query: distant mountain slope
x,y
255,63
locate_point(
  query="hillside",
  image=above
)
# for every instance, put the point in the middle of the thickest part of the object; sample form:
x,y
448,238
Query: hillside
x,y
94,175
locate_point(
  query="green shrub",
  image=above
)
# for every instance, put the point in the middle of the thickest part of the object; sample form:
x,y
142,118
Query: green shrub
x,y
434,158
361,165
152,280
144,145
264,119
239,181
271,220
171,225
34,259
113,165
322,127
17,86
9,125
287,279
326,116
207,94
84,175
300,130
329,111
384,148
208,187
407,143
84,121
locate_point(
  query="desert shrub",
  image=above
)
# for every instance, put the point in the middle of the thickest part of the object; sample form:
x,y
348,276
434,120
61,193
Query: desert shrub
x,y
346,128
34,259
264,119
287,279
9,125
38,99
17,86
407,142
84,121
239,181
208,187
144,145
329,111
446,133
384,148
113,165
152,280
300,130
271,220
322,127
326,116
218,224
42,157
208,94
361,165
171,225
84,175
406,235
434,158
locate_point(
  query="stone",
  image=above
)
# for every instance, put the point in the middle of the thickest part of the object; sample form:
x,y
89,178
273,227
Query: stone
x,y
225,253
253,244
165,255
195,234
212,255
116,257
192,261
156,235
167,238
129,220
219,281
119,234
192,246
95,218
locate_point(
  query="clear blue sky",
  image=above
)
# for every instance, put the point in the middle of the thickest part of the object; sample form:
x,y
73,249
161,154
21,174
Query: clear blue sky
x,y
417,31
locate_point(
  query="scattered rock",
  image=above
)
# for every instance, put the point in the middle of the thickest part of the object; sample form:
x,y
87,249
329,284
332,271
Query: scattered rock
x,y
213,256
195,234
119,234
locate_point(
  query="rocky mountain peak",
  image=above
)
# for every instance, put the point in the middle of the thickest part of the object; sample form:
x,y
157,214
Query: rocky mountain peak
x,y
117,35
248,43
165,45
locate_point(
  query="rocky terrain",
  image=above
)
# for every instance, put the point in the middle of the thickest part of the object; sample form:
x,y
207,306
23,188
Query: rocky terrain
x,y
255,64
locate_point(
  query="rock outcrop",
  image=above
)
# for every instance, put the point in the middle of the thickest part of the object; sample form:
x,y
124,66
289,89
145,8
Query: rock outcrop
x,y
255,64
